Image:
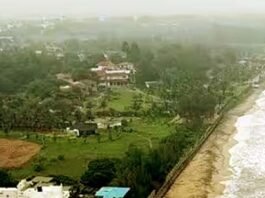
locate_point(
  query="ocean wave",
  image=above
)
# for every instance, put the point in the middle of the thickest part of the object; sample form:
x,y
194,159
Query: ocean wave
x,y
247,161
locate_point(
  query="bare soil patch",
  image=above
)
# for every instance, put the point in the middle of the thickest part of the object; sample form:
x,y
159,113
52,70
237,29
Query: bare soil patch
x,y
15,153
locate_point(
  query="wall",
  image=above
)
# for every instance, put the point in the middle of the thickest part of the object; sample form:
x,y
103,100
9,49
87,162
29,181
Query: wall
x,y
185,160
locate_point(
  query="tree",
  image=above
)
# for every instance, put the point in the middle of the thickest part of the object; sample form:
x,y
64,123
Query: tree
x,y
134,54
8,110
99,173
137,103
6,180
103,103
196,105
109,129
132,171
125,47
146,70
89,110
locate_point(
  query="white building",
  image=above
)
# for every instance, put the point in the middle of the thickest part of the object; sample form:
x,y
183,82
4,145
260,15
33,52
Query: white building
x,y
46,191
25,190
9,193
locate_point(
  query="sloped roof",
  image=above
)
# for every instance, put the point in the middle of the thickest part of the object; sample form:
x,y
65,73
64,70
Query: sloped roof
x,y
85,126
41,179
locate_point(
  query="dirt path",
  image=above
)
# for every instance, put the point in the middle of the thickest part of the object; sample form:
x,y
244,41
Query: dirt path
x,y
202,177
15,153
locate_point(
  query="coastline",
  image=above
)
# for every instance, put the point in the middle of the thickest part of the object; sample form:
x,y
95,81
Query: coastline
x,y
205,174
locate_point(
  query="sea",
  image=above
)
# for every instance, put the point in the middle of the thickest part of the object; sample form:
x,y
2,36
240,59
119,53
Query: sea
x,y
247,156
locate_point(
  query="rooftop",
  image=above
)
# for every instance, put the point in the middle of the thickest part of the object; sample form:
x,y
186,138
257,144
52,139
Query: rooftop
x,y
85,126
118,71
112,192
40,179
8,189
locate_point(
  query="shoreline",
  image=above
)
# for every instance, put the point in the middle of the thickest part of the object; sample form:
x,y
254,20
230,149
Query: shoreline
x,y
207,172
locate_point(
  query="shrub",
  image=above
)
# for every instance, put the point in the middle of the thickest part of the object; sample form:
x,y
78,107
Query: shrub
x,y
61,157
6,180
52,160
38,167
99,173
42,159
124,123
65,180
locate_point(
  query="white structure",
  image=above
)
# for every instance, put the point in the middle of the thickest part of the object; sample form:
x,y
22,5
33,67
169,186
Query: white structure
x,y
59,55
9,193
24,190
74,132
38,52
45,192
65,88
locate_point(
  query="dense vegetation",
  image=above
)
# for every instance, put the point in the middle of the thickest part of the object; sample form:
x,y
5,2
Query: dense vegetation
x,y
191,83
6,180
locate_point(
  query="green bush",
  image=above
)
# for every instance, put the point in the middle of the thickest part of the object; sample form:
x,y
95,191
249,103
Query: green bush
x,y
53,160
65,180
99,173
38,167
6,179
42,159
124,123
61,157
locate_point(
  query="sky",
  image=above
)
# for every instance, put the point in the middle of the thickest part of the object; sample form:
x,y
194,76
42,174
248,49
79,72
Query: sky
x,y
18,8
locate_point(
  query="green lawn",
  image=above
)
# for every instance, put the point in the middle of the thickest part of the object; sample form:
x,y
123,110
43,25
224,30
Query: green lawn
x,y
78,152
122,98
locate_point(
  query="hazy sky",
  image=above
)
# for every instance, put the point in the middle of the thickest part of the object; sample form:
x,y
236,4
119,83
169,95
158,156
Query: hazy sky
x,y
127,7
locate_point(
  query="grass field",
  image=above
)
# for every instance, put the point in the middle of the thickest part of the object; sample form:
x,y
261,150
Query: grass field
x,y
78,152
122,98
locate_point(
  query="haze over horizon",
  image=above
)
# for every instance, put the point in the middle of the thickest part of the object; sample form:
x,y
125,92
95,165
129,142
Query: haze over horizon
x,y
87,8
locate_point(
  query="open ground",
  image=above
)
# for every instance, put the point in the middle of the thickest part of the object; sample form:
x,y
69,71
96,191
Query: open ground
x,y
78,152
15,153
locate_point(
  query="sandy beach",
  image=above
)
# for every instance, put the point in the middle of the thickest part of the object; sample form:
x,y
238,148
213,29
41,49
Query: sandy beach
x,y
203,177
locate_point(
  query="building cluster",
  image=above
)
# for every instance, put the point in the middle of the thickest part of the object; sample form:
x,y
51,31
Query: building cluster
x,y
45,187
38,187
52,49
110,74
6,42
91,127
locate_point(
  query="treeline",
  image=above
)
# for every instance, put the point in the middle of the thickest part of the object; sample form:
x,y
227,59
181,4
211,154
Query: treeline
x,y
23,68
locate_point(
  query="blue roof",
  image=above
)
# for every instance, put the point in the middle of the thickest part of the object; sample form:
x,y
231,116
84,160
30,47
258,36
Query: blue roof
x,y
112,192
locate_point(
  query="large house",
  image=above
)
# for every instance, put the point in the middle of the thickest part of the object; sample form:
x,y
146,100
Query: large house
x,y
110,74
